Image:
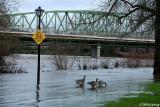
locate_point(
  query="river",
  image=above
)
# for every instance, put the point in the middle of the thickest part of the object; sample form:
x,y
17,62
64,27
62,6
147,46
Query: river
x,y
58,88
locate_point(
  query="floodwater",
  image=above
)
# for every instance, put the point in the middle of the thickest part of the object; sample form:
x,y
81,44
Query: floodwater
x,y
58,88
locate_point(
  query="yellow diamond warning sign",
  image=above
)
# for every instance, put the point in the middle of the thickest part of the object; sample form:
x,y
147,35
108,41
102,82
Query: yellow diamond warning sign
x,y
39,37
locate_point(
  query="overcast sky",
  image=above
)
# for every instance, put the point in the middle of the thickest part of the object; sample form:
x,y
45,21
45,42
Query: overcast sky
x,y
31,5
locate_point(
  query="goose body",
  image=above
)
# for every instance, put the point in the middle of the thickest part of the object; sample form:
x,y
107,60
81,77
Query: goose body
x,y
81,82
94,84
102,84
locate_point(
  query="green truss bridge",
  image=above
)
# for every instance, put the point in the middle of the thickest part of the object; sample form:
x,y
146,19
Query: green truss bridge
x,y
97,26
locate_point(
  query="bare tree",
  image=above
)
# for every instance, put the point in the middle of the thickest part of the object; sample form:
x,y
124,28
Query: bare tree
x,y
6,7
61,60
7,44
143,11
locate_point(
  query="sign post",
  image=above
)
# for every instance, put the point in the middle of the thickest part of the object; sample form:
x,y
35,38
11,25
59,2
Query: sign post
x,y
39,37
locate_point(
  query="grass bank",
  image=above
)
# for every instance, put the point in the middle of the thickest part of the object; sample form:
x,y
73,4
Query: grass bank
x,y
150,99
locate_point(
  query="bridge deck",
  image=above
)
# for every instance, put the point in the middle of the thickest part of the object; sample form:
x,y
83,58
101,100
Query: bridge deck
x,y
89,38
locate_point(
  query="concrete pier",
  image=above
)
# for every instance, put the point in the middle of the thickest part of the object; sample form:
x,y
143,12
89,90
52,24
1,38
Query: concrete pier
x,y
96,51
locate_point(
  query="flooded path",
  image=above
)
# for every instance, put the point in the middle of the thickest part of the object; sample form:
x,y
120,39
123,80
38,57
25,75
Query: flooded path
x,y
58,88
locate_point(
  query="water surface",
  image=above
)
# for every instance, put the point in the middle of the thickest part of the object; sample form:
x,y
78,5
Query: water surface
x,y
58,88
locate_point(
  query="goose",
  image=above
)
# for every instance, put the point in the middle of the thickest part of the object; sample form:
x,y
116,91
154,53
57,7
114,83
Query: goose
x,y
94,84
102,84
81,82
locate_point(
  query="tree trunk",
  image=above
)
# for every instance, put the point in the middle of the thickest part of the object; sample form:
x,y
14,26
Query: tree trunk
x,y
157,41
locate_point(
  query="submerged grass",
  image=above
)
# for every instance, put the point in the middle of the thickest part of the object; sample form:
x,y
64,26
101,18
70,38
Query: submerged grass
x,y
150,99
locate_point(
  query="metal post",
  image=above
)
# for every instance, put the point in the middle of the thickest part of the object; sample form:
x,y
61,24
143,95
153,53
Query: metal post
x,y
38,69
39,48
39,13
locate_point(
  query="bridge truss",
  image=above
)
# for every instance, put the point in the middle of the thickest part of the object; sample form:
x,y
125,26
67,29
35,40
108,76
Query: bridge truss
x,y
81,23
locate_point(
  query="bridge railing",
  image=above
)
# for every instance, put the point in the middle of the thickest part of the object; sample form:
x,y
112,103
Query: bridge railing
x,y
82,23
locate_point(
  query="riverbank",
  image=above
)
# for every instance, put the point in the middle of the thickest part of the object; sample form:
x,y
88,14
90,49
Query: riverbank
x,y
150,98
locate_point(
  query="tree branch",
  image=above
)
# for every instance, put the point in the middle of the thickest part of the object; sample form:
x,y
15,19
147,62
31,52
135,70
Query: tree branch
x,y
110,10
127,14
138,24
140,6
141,21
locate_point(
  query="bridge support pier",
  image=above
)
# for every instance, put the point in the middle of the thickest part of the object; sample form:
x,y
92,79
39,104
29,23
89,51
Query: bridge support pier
x,y
95,51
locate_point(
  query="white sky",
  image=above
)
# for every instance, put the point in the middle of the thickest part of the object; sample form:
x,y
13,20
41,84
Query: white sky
x,y
31,5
